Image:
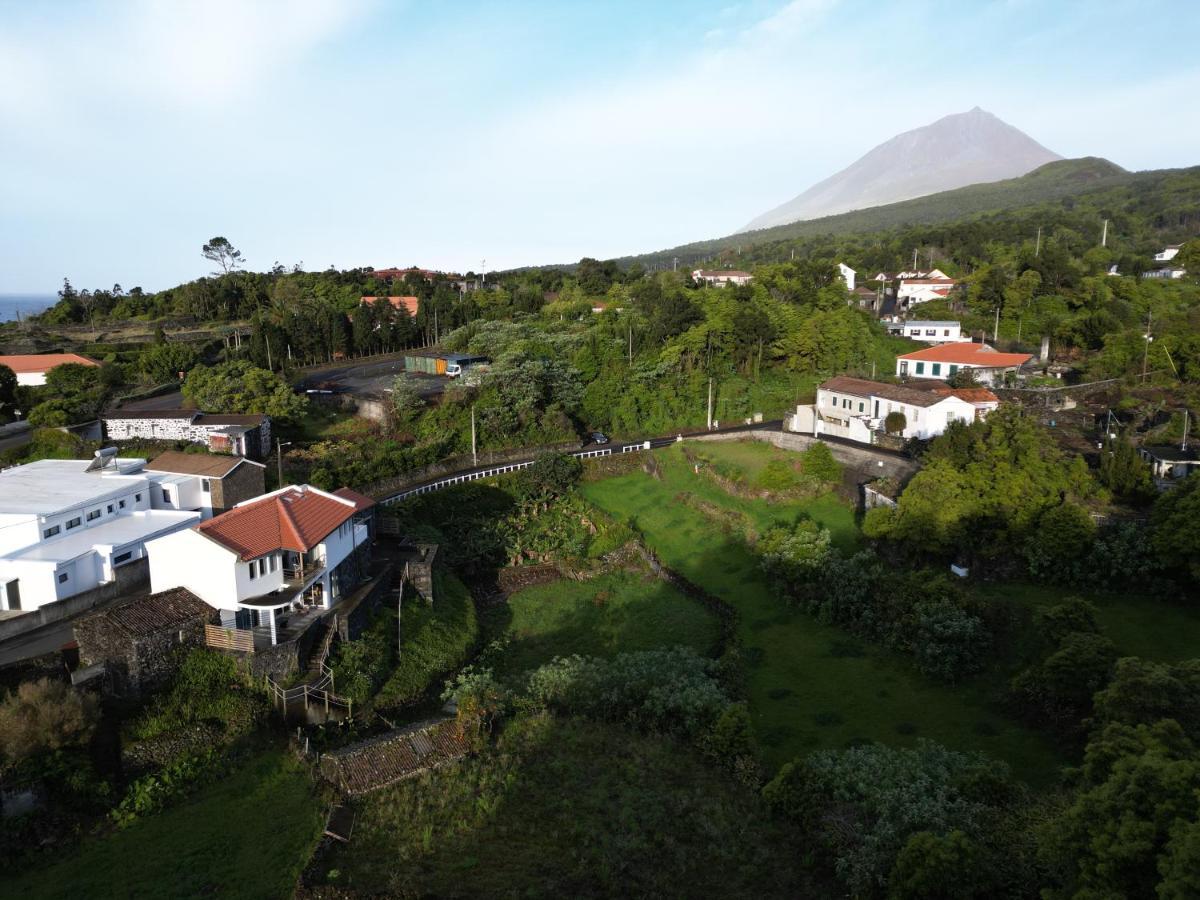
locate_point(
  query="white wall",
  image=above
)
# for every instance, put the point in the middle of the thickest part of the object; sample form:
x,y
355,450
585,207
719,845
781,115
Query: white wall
x,y
248,587
848,275
18,530
188,559
31,378
942,334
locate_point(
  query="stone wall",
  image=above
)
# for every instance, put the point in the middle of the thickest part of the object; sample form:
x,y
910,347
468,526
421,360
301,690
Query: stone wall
x,y
354,611
131,577
141,664
243,483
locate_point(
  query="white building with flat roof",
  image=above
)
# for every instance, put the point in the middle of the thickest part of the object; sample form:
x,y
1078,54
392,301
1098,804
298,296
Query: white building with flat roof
x,y
67,525
930,332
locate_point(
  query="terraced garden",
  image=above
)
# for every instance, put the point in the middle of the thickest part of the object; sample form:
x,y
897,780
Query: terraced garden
x,y
810,686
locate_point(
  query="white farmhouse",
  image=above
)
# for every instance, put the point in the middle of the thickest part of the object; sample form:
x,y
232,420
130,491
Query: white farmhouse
x,y
1168,253
946,360
848,275
67,526
31,368
722,277
270,563
855,408
930,332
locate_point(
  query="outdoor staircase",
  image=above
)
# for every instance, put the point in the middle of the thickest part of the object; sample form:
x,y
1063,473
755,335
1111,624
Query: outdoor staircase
x,y
313,698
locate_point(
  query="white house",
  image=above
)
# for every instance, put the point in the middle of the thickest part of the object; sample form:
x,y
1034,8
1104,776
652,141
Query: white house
x,y
911,291
1168,253
856,408
848,275
67,525
946,360
1167,271
31,368
930,332
722,277
242,435
286,555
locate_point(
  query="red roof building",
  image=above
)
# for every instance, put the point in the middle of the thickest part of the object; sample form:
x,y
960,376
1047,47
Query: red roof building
x,y
295,518
408,304
945,361
31,368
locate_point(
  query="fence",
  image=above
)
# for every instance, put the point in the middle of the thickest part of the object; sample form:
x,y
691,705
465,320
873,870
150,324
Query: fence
x,y
219,638
504,469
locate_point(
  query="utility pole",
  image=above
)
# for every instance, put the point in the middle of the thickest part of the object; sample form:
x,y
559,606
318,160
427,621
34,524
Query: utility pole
x,y
269,366
474,455
1104,235
914,259
710,404
1037,250
996,330
675,264
279,458
630,343
1183,446
1146,349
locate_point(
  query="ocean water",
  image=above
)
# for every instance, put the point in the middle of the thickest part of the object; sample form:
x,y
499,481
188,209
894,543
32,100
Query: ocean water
x,y
24,304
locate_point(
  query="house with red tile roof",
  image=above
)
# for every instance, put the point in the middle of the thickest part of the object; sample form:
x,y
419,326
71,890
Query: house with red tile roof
x,y
31,368
989,366
274,563
408,304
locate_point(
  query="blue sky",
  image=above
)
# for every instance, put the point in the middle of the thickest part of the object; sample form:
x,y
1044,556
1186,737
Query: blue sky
x,y
439,134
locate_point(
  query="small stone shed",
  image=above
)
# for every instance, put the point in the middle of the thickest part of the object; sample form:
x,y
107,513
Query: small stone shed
x,y
139,639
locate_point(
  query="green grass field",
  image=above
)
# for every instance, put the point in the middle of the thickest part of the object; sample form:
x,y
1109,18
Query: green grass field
x,y
1139,626
617,612
810,686
247,837
570,808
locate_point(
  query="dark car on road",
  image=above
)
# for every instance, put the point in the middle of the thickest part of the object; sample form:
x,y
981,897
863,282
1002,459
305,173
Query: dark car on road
x,y
599,438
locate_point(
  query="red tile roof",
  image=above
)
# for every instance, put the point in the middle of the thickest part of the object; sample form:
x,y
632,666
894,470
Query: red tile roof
x,y
360,501
408,303
43,362
296,518
968,354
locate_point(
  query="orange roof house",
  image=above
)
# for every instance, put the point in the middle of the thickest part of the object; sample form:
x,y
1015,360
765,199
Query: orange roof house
x,y
295,518
945,361
31,368
408,304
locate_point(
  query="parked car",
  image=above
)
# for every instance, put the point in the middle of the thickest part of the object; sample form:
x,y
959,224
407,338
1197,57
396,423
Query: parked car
x,y
599,438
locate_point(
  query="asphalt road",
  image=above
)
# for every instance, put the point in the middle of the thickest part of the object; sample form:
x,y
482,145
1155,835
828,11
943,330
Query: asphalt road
x,y
372,378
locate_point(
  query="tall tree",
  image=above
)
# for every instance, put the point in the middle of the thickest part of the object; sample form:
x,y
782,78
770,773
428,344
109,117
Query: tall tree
x,y
222,253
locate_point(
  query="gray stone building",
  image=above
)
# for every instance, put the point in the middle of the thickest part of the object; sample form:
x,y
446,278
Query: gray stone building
x,y
240,435
209,484
140,640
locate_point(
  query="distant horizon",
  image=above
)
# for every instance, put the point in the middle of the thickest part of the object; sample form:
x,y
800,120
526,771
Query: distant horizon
x,y
522,134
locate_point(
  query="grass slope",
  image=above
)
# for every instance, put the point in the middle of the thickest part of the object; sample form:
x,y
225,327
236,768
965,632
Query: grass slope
x,y
245,837
615,613
810,686
570,808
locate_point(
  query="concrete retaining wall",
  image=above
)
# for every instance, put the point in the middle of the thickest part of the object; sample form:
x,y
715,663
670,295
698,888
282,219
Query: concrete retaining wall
x,y
863,463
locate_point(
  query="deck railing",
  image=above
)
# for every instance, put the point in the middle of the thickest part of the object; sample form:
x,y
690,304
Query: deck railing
x,y
237,639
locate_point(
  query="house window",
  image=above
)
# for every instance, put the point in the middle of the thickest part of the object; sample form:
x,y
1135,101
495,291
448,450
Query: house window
x,y
93,515
916,332
953,368
51,531
166,495
262,567
937,368
62,577
272,559
121,504
904,367
253,574
946,332
204,486
122,557
73,523
137,498
13,589
930,332
109,509
920,368
860,406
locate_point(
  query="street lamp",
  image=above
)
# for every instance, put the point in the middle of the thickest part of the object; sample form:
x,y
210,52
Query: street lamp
x,y
279,457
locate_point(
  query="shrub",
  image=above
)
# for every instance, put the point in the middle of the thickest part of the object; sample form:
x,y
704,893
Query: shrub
x,y
207,688
1058,691
42,716
777,476
950,642
669,690
792,553
1073,614
152,792
895,422
1058,547
818,462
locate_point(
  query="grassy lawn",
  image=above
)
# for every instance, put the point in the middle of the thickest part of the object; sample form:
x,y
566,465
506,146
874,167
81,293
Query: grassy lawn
x,y
568,808
617,612
1139,626
810,686
435,640
246,837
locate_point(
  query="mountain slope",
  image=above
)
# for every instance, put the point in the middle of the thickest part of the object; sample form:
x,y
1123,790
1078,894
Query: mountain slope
x,y
967,148
1053,183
